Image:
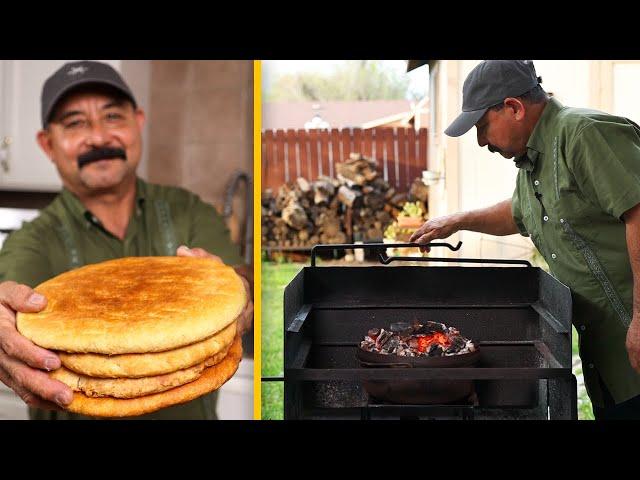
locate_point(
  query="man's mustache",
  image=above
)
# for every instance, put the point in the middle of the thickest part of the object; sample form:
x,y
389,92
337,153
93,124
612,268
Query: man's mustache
x,y
101,153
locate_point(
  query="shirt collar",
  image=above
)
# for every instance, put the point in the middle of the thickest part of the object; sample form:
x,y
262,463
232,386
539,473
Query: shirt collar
x,y
79,211
537,140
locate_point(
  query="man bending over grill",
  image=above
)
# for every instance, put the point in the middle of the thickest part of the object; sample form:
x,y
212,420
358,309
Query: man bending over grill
x,y
577,197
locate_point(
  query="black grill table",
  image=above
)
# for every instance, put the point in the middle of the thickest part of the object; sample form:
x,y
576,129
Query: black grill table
x,y
518,315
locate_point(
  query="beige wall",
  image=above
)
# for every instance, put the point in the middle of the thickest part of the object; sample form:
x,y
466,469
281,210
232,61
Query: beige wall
x,y
201,126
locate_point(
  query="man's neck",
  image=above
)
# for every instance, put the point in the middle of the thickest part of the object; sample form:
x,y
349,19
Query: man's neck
x,y
535,112
113,208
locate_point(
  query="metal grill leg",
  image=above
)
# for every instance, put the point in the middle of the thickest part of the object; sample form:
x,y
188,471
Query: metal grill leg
x,y
563,398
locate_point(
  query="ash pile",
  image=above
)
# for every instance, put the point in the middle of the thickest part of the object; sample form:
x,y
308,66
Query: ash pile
x,y
432,339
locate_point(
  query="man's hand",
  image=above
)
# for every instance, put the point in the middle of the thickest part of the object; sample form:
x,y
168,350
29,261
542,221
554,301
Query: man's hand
x,y
22,362
494,220
245,318
633,343
440,227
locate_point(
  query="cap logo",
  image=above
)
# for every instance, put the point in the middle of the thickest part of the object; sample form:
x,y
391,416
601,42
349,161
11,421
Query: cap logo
x,y
79,70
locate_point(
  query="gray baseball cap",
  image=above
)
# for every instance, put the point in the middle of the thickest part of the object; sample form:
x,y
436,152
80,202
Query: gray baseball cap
x,y
488,84
74,74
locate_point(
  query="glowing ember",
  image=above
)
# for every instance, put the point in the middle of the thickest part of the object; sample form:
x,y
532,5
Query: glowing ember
x,y
428,339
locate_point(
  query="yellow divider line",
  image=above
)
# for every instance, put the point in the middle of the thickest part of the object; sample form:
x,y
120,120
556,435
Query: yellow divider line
x,y
257,236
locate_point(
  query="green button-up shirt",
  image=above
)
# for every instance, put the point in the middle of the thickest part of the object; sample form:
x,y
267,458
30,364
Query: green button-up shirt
x,y
580,174
66,235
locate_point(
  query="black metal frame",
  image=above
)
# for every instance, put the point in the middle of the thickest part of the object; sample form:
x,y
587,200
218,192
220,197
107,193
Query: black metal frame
x,y
315,294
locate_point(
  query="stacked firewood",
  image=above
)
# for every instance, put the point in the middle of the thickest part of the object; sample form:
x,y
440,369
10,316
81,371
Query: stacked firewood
x,y
357,205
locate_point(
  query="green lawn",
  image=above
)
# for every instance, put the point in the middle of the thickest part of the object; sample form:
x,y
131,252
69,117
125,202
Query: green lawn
x,y
275,276
585,411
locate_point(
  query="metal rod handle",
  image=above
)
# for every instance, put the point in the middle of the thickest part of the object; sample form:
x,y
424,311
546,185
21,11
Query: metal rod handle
x,y
380,247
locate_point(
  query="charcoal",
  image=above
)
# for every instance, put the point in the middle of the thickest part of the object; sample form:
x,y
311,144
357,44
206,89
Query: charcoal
x,y
458,343
383,338
393,342
434,351
425,329
403,339
437,326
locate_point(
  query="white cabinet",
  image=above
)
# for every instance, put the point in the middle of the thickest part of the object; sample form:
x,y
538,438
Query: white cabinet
x,y
23,166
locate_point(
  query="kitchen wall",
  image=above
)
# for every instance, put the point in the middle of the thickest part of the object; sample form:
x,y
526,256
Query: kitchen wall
x,y
200,122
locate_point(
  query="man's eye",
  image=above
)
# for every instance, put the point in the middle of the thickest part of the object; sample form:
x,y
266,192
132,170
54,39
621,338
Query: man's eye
x,y
74,124
114,116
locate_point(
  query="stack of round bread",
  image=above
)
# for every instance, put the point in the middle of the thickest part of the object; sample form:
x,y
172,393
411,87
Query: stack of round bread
x,y
139,334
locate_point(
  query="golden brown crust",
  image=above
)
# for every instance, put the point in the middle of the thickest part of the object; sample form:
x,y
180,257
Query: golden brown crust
x,y
135,305
135,365
211,379
133,387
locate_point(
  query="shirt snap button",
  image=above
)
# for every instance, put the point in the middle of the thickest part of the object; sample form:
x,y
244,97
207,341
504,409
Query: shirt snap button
x,y
546,218
583,328
553,255
591,365
537,182
562,220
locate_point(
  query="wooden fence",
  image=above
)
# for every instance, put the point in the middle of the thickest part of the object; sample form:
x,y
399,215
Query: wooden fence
x,y
401,153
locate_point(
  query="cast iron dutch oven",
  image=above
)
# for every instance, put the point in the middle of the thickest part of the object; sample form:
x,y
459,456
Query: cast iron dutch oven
x,y
419,392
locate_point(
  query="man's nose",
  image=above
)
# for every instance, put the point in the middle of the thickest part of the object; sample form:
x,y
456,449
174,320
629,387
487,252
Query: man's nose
x,y
481,140
98,134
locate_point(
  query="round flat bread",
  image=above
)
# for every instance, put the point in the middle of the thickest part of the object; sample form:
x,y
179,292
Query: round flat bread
x,y
135,305
136,365
211,379
133,387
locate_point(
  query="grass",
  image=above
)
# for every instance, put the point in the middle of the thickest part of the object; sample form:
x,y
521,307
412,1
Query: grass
x,y
585,410
275,276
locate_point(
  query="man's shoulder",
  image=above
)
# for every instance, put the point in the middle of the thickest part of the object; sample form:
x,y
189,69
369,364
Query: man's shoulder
x,y
573,120
49,218
169,193
42,230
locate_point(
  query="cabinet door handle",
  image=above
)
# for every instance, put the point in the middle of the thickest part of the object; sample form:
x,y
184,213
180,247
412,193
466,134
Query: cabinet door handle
x,y
4,153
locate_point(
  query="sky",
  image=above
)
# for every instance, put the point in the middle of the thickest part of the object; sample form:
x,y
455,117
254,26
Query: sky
x,y
272,69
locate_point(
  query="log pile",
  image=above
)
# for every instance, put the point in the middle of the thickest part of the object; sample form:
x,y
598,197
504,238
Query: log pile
x,y
357,205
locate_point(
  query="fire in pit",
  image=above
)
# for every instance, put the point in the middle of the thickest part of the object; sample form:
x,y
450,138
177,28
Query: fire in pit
x,y
429,339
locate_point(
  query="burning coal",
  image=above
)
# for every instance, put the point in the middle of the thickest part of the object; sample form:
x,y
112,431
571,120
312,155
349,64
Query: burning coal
x,y
417,340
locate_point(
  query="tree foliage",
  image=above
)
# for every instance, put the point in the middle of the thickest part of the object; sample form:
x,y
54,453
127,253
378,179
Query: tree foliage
x,y
354,80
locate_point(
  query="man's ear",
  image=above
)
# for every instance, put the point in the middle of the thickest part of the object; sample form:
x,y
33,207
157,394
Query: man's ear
x,y
516,106
140,118
44,140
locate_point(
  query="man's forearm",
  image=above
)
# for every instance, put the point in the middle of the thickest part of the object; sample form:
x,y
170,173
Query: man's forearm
x,y
632,230
494,220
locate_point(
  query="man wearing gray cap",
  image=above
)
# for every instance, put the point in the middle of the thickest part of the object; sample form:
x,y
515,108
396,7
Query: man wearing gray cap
x,y
577,197
92,132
